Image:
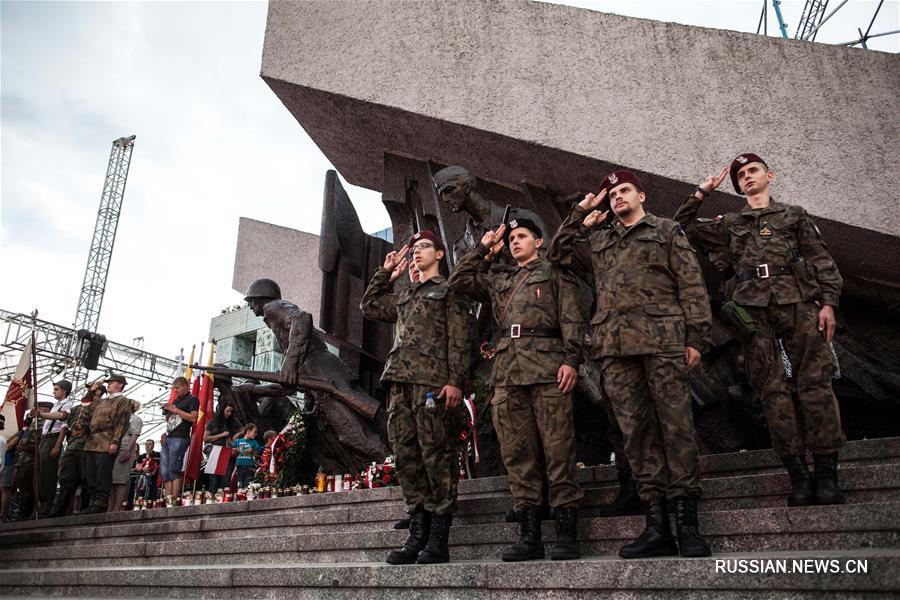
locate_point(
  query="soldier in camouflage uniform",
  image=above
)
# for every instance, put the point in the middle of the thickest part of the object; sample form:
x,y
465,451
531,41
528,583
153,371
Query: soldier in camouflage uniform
x,y
23,461
786,285
72,462
110,417
430,355
652,322
535,369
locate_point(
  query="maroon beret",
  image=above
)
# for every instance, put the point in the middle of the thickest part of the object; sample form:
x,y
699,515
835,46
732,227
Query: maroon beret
x,y
740,161
427,234
617,178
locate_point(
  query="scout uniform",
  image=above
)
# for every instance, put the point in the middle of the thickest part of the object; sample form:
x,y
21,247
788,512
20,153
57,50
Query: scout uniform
x,y
72,462
535,308
23,461
431,349
651,304
782,273
110,418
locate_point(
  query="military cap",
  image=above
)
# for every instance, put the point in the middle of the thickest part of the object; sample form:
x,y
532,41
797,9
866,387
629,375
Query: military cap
x,y
617,178
117,377
527,224
740,161
454,173
65,385
427,234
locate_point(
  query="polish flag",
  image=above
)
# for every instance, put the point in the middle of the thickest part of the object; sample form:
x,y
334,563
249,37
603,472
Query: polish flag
x,y
217,463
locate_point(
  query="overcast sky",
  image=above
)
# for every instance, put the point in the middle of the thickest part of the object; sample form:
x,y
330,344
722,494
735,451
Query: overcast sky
x,y
213,144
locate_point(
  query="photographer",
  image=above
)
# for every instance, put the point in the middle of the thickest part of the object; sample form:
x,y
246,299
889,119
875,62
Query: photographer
x,y
180,415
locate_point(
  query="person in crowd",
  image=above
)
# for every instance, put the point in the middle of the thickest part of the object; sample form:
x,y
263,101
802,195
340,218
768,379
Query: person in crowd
x,y
535,307
53,434
246,449
72,464
128,450
784,286
223,430
430,361
7,476
146,470
651,324
29,439
180,416
110,419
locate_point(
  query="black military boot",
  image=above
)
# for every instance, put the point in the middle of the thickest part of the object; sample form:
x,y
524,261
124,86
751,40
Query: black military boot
x,y
826,480
566,546
626,502
60,503
402,523
656,539
95,507
511,516
529,546
43,510
801,481
690,542
24,510
419,527
437,550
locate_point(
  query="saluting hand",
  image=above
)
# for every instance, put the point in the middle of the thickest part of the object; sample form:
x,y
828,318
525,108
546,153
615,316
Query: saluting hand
x,y
493,240
393,258
591,201
595,218
452,396
566,377
399,269
713,181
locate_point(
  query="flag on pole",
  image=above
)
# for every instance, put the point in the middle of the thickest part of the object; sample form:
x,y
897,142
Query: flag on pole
x,y
205,395
217,463
19,395
173,395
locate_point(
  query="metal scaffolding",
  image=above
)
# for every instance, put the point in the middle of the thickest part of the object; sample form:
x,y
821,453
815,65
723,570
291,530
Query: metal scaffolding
x,y
87,315
813,18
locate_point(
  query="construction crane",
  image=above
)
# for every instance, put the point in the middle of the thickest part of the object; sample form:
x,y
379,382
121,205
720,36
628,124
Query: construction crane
x,y
89,344
813,18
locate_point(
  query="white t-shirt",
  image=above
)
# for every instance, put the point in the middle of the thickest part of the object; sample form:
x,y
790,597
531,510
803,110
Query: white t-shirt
x,y
64,405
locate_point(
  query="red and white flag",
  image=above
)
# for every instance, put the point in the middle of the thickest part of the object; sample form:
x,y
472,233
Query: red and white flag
x,y
217,462
19,396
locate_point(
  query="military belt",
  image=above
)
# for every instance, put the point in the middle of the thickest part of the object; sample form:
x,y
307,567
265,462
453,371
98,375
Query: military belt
x,y
764,272
517,331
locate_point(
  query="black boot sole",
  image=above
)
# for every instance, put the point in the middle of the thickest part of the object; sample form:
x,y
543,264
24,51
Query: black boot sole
x,y
671,551
564,554
521,558
400,560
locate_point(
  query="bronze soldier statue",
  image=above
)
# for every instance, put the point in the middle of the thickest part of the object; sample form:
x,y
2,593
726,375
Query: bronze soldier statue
x,y
535,370
307,356
425,374
785,285
458,188
652,321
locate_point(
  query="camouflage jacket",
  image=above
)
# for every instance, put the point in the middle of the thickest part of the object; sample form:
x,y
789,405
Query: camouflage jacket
x,y
28,438
110,418
547,300
651,298
79,426
777,235
432,331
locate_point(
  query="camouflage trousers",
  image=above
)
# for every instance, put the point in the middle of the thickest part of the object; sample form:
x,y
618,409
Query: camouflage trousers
x,y
652,403
813,421
426,448
535,427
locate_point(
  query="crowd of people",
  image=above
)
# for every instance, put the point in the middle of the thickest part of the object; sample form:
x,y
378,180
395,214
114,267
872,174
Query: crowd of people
x,y
88,459
651,323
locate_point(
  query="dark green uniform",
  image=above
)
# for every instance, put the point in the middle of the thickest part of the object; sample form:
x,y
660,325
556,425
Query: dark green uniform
x,y
430,350
651,304
23,461
535,307
782,270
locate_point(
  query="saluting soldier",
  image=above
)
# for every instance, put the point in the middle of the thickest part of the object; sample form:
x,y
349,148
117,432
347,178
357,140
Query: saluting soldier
x,y
72,463
651,324
425,374
786,286
109,422
535,370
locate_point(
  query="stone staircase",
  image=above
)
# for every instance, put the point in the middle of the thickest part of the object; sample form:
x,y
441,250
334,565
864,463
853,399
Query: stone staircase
x,y
333,545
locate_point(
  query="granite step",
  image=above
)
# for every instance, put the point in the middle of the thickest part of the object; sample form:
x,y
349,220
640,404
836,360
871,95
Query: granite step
x,y
369,510
840,527
861,573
